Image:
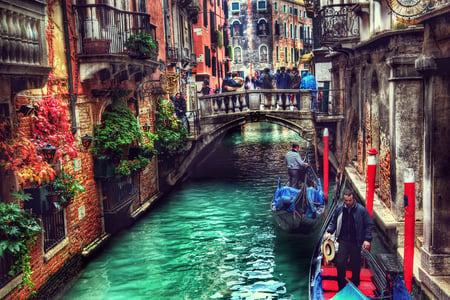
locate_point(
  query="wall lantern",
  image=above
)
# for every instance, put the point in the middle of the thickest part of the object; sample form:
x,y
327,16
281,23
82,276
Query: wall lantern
x,y
49,152
26,110
146,127
86,141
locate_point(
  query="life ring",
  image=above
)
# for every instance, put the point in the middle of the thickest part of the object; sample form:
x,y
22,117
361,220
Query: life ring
x,y
328,250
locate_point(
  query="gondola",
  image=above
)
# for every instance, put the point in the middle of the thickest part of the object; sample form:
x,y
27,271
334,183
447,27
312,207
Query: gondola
x,y
380,276
299,210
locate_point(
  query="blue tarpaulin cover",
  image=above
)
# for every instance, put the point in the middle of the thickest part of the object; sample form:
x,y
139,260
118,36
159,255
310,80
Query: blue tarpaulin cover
x,y
284,199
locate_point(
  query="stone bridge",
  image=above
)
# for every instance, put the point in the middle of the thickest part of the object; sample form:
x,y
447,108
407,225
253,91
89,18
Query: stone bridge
x,y
218,113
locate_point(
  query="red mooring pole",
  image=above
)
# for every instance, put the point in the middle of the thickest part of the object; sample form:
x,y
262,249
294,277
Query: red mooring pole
x,y
410,218
371,171
325,162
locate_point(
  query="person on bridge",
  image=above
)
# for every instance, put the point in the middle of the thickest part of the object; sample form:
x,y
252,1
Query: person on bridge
x,y
296,167
179,104
229,85
283,82
353,226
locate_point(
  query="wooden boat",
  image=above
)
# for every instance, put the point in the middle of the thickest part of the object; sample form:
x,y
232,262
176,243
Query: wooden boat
x,y
299,210
380,277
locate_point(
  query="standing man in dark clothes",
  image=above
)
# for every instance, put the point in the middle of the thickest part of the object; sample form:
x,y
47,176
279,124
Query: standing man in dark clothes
x,y
296,167
353,227
283,83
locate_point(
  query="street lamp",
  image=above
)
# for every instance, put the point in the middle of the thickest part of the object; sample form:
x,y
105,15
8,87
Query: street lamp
x,y
86,141
26,110
146,127
49,152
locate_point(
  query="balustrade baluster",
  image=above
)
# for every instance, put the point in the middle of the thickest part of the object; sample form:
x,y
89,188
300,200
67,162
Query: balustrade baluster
x,y
11,37
29,38
35,42
4,48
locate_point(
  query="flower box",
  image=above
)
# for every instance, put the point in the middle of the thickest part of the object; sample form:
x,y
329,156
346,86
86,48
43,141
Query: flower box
x,y
96,46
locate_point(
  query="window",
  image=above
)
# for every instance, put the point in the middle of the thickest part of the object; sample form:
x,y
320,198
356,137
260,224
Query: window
x,y
295,31
235,6
262,5
237,55
214,66
262,27
302,35
285,30
291,34
263,54
205,14
277,54
285,8
290,10
295,11
236,28
292,54
275,6
277,28
207,56
285,54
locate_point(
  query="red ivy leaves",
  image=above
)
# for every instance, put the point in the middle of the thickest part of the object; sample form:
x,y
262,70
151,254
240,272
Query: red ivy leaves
x,y
52,126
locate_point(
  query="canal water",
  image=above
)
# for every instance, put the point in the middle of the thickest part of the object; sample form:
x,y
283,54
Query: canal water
x,y
213,237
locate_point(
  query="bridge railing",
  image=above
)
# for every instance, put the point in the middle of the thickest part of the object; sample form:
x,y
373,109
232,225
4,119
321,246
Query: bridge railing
x,y
259,99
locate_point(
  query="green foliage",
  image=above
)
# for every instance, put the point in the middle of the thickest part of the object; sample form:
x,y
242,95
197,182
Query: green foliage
x,y
125,167
148,144
172,135
141,43
119,128
219,39
65,186
18,229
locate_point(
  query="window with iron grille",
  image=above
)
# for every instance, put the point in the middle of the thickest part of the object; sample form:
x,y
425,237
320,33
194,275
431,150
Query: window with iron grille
x,y
54,229
6,262
236,28
262,27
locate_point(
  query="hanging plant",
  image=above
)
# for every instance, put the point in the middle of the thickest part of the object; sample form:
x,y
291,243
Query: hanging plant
x,y
125,167
219,38
18,231
172,135
66,187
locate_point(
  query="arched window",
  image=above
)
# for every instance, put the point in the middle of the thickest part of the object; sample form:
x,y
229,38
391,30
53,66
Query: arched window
x,y
262,27
237,55
263,54
285,30
236,28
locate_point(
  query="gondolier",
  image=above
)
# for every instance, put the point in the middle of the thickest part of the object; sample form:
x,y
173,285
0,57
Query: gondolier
x,y
296,166
353,227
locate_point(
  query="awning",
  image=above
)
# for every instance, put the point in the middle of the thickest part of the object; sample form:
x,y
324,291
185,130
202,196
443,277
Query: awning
x,y
306,58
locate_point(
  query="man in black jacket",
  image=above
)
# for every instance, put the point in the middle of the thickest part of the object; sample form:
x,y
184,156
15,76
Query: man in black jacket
x,y
353,227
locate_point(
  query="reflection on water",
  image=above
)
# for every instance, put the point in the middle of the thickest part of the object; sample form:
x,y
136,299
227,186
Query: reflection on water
x,y
213,237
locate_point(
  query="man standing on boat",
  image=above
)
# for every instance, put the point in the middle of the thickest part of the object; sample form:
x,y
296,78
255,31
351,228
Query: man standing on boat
x,y
353,226
296,166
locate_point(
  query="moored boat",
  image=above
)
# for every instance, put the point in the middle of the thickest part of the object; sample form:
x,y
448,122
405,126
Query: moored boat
x,y
299,210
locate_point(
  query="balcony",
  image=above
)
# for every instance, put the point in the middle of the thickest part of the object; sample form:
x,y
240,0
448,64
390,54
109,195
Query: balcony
x,y
339,25
23,48
103,29
172,54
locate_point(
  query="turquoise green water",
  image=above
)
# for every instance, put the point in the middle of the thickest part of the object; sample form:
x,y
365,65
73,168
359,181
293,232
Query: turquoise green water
x,y
213,237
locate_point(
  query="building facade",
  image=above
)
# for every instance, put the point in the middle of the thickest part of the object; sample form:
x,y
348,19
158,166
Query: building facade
x,y
387,64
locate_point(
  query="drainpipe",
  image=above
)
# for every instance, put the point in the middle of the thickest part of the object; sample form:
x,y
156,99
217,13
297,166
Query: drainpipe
x,y
72,97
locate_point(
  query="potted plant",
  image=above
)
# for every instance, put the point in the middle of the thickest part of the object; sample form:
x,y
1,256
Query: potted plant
x,y
141,45
96,46
125,167
63,189
113,138
18,229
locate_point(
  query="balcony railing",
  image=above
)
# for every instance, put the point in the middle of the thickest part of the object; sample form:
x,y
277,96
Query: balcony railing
x,y
339,24
23,48
172,54
104,29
